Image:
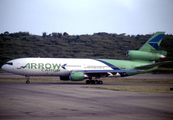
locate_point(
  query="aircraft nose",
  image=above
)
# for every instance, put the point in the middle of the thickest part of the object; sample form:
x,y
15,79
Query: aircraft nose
x,y
4,67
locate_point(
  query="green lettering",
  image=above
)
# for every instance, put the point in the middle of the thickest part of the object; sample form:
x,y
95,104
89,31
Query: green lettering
x,y
33,65
56,65
48,66
40,65
28,64
59,66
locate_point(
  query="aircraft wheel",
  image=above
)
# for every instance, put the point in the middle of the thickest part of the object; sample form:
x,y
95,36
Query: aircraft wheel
x,y
93,82
100,82
96,81
27,82
88,82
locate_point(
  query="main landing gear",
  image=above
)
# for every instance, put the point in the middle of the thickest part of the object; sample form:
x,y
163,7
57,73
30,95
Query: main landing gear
x,y
94,82
27,80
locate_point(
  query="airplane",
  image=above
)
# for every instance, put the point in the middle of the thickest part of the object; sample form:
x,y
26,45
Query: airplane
x,y
75,69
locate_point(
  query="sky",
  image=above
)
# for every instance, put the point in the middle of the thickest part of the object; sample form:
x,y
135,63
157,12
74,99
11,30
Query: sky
x,y
77,17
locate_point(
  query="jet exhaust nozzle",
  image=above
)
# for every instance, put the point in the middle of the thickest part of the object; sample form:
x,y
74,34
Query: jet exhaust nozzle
x,y
162,56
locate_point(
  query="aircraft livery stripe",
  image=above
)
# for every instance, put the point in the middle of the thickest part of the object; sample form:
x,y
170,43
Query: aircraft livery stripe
x,y
157,39
108,64
154,45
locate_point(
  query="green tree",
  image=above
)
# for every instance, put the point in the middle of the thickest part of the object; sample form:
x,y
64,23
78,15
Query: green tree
x,y
44,34
65,34
6,33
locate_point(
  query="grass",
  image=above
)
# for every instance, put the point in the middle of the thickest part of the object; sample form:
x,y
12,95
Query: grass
x,y
137,80
160,89
32,79
111,83
163,71
105,80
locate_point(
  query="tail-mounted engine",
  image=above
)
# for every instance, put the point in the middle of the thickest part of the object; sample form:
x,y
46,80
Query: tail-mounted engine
x,y
148,56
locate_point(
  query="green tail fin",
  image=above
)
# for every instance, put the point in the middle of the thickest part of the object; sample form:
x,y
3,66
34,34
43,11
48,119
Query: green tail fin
x,y
153,43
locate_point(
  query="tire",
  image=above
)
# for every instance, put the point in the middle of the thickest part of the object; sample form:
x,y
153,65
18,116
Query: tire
x,y
88,82
93,82
100,82
27,82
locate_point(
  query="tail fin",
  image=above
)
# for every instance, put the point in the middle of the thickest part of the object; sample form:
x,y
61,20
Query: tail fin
x,y
153,43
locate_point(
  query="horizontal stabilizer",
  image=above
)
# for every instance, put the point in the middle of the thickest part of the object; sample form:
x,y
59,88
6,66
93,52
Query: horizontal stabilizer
x,y
153,65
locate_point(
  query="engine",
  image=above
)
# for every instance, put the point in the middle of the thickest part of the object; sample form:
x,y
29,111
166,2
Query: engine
x,y
148,56
75,76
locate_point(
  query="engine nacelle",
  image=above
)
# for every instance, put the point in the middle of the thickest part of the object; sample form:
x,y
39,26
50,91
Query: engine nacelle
x,y
162,52
142,55
77,76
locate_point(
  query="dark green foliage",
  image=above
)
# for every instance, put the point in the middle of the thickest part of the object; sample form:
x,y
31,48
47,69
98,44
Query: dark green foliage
x,y
58,45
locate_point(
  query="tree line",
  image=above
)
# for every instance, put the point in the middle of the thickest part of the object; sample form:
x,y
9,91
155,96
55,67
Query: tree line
x,y
62,45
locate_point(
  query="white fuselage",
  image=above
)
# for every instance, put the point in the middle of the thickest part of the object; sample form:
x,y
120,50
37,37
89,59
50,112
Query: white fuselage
x,y
52,66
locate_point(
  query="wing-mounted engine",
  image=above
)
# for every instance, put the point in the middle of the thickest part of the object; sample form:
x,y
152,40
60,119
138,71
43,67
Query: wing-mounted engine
x,y
147,56
74,76
77,76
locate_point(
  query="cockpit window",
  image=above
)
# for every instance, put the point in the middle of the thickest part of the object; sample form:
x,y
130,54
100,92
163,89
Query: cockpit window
x,y
9,63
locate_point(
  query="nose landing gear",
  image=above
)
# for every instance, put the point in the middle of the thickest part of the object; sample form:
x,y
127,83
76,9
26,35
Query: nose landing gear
x,y
27,80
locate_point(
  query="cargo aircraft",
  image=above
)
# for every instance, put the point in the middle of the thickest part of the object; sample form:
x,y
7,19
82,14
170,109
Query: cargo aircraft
x,y
74,69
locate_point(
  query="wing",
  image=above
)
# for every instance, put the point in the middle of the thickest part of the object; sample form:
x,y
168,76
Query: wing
x,y
105,71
